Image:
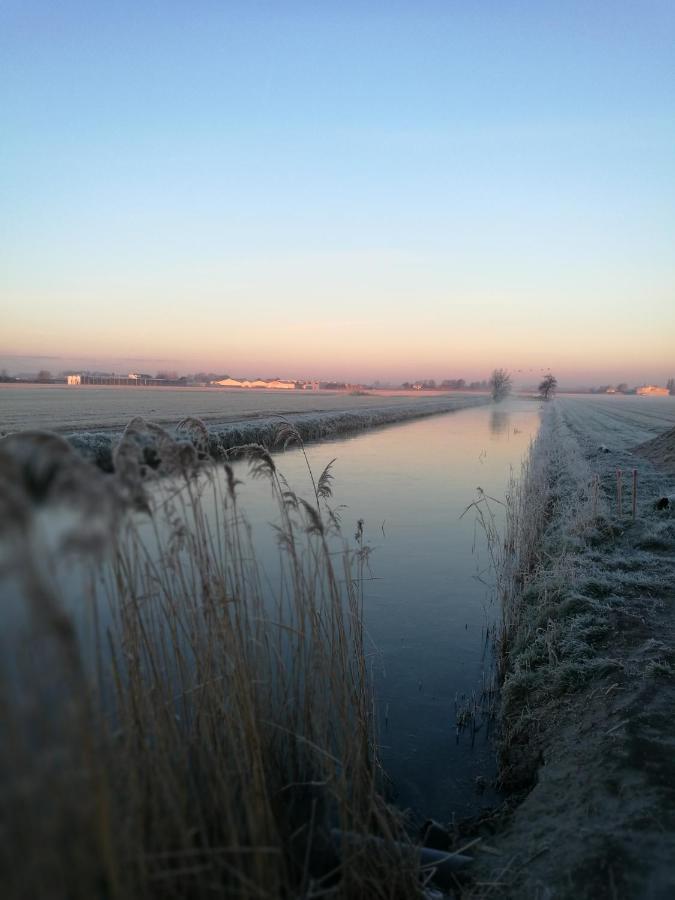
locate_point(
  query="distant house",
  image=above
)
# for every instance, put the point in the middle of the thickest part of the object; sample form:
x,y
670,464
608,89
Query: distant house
x,y
274,384
652,390
74,379
229,382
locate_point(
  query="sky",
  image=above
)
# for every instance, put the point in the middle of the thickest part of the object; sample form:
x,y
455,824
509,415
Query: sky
x,y
344,190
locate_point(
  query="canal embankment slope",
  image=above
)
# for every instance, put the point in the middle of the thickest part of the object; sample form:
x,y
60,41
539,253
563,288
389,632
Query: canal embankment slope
x,y
587,748
264,428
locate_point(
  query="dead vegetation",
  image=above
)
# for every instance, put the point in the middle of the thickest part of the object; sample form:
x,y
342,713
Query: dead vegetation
x,y
202,727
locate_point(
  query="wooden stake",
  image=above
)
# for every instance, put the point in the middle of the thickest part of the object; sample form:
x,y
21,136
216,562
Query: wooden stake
x,y
619,473
634,492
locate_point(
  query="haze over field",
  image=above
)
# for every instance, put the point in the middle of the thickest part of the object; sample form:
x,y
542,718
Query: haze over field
x,y
339,190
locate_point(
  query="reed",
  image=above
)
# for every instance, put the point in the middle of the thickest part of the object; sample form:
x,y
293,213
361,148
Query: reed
x,y
199,727
549,635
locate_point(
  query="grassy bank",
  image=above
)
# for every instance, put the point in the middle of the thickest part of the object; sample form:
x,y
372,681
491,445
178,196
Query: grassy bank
x,y
587,660
321,425
195,727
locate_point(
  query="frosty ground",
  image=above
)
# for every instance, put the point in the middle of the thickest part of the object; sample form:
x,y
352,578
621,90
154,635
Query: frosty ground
x,y
91,408
93,418
588,735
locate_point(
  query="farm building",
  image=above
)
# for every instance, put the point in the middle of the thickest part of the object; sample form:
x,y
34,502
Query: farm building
x,y
652,390
275,384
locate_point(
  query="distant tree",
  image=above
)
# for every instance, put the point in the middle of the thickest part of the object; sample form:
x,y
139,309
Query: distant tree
x,y
406,385
622,388
547,386
44,377
499,384
4,376
670,384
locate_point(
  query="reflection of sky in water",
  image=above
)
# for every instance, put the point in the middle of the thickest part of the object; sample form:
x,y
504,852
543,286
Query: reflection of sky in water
x,y
499,421
424,607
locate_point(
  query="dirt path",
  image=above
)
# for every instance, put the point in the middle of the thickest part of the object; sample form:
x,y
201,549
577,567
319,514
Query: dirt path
x,y
589,697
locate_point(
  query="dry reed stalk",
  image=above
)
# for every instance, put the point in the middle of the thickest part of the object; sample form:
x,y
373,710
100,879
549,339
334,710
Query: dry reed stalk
x,y
202,725
635,485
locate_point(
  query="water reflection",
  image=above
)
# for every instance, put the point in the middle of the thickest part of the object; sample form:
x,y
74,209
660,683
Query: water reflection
x,y
425,607
500,421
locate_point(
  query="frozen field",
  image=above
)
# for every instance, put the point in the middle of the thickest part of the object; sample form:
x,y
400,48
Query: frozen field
x,y
93,408
93,418
589,691
618,422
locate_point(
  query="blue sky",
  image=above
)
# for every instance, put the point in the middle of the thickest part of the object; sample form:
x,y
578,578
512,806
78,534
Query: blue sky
x,y
340,189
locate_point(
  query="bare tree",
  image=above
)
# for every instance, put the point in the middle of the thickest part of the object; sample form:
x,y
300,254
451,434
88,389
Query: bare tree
x,y
547,386
500,384
670,384
44,377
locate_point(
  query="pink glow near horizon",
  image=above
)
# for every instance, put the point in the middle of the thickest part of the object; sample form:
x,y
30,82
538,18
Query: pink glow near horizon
x,y
345,192
526,368
387,326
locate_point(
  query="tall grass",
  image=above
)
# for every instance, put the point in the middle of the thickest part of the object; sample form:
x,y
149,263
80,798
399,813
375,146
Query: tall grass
x,y
551,509
198,727
549,502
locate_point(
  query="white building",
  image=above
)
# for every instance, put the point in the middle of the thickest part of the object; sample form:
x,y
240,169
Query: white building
x,y
652,390
275,385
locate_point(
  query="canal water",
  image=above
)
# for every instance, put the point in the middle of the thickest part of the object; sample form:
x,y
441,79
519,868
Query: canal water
x,y
427,600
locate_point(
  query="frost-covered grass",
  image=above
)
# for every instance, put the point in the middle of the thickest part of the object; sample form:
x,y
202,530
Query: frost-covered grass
x,y
617,422
580,580
91,408
314,426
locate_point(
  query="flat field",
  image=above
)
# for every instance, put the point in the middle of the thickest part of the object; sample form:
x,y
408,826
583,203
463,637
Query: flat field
x,y
98,408
618,422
